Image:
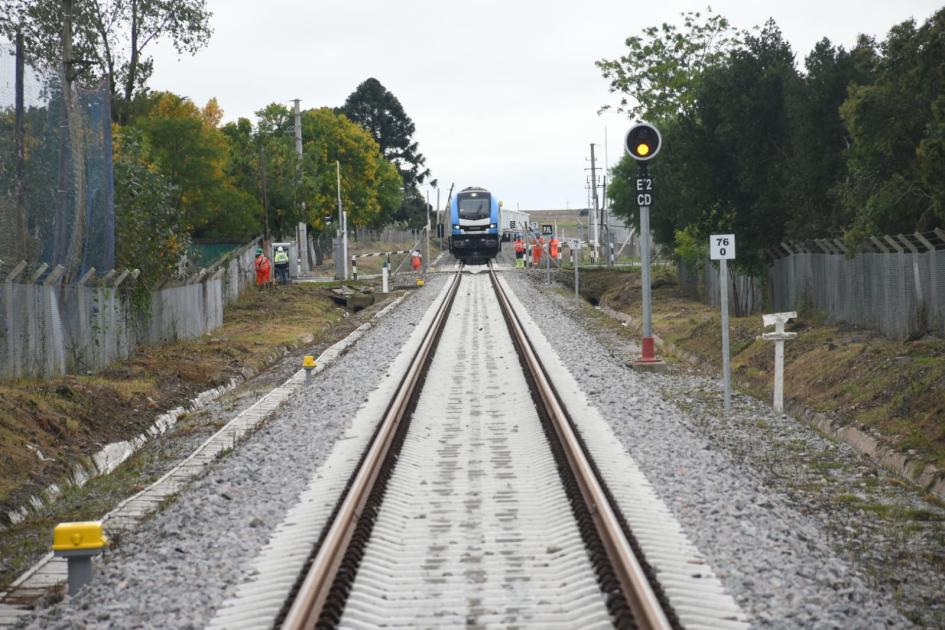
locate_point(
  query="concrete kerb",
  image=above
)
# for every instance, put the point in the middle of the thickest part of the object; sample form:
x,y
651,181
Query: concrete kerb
x,y
133,509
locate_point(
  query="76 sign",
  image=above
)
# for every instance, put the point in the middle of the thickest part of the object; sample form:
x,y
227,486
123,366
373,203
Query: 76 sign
x,y
722,247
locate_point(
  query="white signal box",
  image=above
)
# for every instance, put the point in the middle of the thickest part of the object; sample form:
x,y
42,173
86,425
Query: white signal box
x,y
722,247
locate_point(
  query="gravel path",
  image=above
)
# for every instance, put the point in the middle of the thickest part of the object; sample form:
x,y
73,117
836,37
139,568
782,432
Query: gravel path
x,y
765,498
177,568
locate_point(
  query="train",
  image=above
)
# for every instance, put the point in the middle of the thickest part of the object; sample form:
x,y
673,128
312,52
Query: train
x,y
474,226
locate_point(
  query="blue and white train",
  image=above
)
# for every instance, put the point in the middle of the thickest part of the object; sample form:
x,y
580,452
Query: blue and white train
x,y
474,221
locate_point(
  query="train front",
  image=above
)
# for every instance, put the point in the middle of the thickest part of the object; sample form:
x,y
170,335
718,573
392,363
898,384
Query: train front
x,y
474,215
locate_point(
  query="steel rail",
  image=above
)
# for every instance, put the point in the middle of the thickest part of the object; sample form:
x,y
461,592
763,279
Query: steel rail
x,y
310,600
647,610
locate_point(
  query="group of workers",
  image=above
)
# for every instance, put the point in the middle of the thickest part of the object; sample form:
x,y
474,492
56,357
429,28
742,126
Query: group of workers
x,y
538,246
264,270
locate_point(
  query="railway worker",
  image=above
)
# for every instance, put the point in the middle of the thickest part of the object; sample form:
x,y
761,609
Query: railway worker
x,y
519,253
537,244
416,260
553,250
281,259
262,268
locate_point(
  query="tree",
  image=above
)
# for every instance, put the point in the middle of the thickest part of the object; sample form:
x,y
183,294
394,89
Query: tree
x,y
819,140
111,38
896,123
659,76
373,107
152,229
186,146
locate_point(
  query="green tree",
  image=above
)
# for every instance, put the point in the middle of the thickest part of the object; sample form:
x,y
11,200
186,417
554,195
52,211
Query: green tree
x,y
897,127
819,140
185,144
151,229
376,109
111,38
659,76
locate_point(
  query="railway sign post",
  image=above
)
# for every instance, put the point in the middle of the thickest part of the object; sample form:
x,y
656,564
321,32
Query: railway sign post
x,y
722,249
779,336
575,256
642,143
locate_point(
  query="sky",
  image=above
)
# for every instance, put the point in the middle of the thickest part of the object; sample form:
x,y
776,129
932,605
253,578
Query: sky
x,y
504,93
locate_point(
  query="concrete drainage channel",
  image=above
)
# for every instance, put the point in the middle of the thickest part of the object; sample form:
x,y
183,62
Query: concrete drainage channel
x,y
51,572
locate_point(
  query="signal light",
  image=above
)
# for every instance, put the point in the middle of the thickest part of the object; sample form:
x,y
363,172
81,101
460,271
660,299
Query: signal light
x,y
643,142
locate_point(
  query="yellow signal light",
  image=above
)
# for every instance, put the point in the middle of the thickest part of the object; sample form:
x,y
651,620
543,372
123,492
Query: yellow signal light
x,y
643,149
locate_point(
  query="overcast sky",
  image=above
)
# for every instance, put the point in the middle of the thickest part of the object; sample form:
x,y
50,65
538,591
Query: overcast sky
x,y
504,93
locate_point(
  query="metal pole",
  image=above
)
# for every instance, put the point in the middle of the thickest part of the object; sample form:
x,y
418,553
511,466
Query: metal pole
x,y
779,371
574,261
439,219
21,233
548,263
726,365
597,231
342,225
426,241
265,186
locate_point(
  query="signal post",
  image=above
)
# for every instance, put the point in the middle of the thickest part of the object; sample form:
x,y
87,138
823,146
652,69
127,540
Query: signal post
x,y
642,143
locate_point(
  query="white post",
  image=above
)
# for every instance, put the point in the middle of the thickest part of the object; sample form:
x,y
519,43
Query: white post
x,y
384,275
726,365
779,336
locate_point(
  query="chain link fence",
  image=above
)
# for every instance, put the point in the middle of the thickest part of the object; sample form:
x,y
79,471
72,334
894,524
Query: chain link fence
x,y
56,177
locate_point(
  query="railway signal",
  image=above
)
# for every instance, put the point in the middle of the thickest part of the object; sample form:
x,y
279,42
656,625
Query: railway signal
x,y
643,143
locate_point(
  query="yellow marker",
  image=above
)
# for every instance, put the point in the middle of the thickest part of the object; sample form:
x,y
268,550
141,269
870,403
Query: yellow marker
x,y
308,361
419,282
87,535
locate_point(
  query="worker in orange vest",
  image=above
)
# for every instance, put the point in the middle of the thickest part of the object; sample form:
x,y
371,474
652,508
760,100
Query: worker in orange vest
x,y
415,260
519,253
553,248
536,251
262,268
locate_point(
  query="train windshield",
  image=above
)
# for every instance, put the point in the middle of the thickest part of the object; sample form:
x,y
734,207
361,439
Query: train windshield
x,y
474,208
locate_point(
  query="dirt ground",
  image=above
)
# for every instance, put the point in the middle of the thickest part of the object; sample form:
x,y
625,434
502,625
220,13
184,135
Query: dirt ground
x,y
46,426
893,389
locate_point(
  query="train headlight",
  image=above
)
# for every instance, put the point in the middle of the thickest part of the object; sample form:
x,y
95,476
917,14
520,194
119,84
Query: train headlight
x,y
492,225
456,226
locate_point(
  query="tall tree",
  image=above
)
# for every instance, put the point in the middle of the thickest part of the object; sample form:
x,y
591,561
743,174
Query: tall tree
x,y
897,126
376,109
660,73
111,37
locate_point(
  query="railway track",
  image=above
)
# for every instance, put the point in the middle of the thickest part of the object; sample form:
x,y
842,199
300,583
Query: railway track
x,y
476,503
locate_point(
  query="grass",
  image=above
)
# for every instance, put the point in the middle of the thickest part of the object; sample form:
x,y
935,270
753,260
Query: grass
x,y
892,388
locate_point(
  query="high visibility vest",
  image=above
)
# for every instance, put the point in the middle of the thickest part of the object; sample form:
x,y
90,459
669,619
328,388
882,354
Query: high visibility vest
x,y
519,247
281,257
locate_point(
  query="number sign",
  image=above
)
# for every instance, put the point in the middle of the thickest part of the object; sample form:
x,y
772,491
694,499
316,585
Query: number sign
x,y
512,224
722,247
644,191
547,229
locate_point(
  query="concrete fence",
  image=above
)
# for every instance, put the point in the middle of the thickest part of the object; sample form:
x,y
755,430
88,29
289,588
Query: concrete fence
x,y
49,329
895,286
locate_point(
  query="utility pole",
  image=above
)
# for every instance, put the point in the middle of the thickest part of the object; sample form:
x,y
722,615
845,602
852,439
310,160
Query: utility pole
x,y
597,234
342,226
21,234
426,241
439,218
265,188
298,154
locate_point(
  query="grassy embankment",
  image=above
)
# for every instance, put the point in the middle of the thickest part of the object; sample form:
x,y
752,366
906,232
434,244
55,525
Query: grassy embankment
x,y
891,388
47,426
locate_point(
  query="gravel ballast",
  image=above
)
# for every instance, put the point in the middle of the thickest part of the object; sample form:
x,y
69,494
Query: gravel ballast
x,y
177,568
757,491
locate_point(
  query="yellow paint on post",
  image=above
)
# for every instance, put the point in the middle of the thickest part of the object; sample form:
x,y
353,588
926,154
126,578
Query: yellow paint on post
x,y
308,361
77,536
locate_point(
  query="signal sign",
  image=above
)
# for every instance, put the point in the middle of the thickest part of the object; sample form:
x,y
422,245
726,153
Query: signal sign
x,y
547,229
644,191
722,247
643,142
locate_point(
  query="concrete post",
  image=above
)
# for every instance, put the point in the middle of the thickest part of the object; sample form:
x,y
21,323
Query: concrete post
x,y
779,336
